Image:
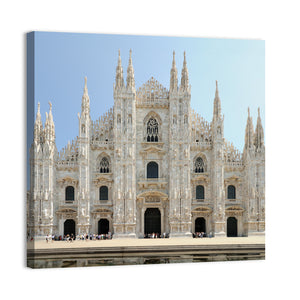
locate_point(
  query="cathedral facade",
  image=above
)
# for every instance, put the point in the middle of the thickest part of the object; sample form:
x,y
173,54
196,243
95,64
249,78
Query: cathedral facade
x,y
150,164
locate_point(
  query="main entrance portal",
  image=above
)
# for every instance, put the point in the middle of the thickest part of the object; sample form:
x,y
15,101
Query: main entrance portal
x,y
231,227
152,221
69,227
103,226
200,225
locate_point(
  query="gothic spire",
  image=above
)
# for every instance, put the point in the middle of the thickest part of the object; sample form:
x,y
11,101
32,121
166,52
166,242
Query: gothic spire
x,y
50,113
217,103
85,102
259,133
184,75
173,75
130,73
49,125
38,125
38,120
119,73
249,134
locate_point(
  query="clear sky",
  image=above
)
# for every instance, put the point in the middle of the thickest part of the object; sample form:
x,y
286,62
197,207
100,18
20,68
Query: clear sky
x,y
62,60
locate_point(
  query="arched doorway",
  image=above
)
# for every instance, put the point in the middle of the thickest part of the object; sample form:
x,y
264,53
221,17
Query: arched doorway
x,y
69,227
200,225
231,227
152,221
103,226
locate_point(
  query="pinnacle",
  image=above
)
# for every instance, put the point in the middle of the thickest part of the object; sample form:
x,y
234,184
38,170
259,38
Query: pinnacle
x,y
85,86
217,90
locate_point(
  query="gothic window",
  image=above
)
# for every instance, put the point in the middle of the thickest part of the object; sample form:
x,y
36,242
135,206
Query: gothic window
x,y
70,193
152,170
103,193
199,165
231,192
119,119
152,130
104,165
200,192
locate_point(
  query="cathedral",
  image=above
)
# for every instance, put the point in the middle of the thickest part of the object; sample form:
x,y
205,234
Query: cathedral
x,y
150,164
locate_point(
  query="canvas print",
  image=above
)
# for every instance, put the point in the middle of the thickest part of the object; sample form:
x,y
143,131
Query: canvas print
x,y
144,149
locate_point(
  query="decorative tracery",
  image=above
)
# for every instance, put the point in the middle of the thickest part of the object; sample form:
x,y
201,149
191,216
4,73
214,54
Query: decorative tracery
x,y
104,165
199,165
152,130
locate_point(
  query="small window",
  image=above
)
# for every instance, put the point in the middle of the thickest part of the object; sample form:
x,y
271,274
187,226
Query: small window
x,y
70,193
152,170
231,192
200,192
103,193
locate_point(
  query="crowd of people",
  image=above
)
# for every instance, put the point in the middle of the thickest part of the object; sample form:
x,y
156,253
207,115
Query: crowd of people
x,y
83,237
108,236
201,235
156,235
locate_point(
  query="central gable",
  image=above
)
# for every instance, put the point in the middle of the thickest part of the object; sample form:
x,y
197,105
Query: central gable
x,y
152,90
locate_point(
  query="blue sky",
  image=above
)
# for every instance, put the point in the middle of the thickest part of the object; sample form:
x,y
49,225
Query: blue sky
x,y
62,60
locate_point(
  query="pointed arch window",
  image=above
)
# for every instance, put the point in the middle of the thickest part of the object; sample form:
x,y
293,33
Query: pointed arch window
x,y
152,130
231,192
199,165
104,165
200,192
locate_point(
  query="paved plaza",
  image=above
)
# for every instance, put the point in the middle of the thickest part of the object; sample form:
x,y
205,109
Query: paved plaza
x,y
42,244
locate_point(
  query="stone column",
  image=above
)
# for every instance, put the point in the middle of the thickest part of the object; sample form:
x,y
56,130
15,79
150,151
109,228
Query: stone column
x,y
162,214
142,220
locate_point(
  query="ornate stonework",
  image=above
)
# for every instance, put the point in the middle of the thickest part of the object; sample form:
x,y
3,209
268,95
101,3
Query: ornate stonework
x,y
149,163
